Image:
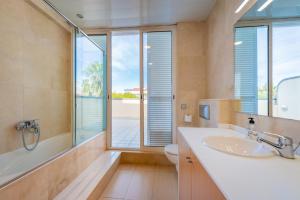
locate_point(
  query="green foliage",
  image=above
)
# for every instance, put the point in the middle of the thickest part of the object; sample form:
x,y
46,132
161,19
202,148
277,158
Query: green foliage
x,y
125,95
92,85
263,92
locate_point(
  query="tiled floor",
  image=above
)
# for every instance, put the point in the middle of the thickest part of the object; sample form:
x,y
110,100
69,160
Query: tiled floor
x,y
142,182
125,133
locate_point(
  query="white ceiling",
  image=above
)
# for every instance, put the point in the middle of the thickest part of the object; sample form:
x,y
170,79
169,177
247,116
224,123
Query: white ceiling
x,y
131,13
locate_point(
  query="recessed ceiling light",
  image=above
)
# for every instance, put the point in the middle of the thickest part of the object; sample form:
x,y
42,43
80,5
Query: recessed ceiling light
x,y
238,43
79,16
266,4
241,6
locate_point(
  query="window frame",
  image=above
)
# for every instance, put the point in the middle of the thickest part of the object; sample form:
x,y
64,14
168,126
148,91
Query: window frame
x,y
269,24
142,30
269,71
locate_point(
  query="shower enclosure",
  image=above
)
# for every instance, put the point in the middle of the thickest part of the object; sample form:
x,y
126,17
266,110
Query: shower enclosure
x,y
54,105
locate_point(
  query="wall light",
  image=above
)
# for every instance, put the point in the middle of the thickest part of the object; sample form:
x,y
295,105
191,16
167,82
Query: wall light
x,y
241,6
266,4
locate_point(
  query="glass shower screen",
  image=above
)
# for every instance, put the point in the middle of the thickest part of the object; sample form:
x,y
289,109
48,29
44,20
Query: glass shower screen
x,y
90,87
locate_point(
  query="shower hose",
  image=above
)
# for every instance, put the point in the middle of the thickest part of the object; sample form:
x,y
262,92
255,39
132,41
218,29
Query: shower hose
x,y
36,133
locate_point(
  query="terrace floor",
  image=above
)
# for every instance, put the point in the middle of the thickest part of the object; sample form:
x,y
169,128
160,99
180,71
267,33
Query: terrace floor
x,y
125,133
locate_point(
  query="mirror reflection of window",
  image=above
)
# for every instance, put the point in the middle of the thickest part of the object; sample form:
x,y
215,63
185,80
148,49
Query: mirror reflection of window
x,y
251,69
286,70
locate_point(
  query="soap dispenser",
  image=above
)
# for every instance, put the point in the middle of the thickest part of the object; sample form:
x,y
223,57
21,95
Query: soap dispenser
x,y
251,126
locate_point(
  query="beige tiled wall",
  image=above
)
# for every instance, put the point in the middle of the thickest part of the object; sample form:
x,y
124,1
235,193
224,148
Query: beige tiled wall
x,y
190,69
220,66
220,110
35,64
220,47
47,181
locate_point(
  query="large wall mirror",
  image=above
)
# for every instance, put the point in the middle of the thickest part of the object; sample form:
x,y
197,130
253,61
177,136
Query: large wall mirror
x,y
267,59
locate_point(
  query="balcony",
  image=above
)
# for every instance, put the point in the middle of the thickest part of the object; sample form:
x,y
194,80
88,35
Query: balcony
x,y
126,123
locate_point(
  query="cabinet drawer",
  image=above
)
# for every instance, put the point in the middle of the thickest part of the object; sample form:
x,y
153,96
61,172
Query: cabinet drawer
x,y
203,187
194,181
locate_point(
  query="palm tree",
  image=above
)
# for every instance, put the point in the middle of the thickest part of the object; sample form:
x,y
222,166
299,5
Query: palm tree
x,y
92,85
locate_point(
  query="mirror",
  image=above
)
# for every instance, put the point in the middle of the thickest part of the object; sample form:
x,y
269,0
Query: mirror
x,y
267,59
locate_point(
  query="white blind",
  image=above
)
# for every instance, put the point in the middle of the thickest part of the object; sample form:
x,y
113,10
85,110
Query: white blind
x,y
246,68
159,92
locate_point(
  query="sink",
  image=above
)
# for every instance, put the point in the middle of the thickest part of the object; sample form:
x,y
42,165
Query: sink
x,y
238,146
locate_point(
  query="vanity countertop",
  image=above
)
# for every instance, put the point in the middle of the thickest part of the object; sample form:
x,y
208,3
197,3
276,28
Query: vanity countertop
x,y
244,178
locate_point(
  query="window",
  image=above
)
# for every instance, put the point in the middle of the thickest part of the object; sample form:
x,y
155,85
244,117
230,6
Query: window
x,y
286,70
251,68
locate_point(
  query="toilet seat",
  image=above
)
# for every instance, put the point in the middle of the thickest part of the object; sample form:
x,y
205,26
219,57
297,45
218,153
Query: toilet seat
x,y
172,149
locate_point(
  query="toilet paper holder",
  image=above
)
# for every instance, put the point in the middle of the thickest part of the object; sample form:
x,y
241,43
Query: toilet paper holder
x,y
188,118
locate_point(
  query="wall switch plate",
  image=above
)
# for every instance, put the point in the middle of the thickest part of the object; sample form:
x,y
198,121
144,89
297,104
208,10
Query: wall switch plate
x,y
204,111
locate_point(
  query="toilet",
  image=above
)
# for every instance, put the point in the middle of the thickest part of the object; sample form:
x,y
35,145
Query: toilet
x,y
171,151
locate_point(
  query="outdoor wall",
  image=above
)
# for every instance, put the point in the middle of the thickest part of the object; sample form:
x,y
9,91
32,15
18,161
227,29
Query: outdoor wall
x,y
220,67
35,72
190,69
127,108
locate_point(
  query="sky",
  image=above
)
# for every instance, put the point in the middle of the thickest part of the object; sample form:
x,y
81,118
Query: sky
x,y
86,53
125,62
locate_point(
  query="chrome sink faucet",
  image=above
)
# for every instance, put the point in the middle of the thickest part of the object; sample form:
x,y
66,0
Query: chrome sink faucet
x,y
284,144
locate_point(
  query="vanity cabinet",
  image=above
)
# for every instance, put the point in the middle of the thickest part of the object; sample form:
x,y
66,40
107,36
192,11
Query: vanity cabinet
x,y
185,170
194,182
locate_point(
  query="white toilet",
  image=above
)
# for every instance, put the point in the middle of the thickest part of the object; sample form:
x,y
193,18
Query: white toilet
x,y
171,151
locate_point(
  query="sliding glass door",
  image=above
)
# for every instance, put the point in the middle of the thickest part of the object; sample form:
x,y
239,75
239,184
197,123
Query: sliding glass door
x,y
125,89
141,89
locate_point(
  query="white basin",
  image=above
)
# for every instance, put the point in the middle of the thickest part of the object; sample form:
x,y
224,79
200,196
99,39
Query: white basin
x,y
238,146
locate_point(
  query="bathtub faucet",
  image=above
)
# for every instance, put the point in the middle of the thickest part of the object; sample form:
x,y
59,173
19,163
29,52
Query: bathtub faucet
x,y
33,127
29,124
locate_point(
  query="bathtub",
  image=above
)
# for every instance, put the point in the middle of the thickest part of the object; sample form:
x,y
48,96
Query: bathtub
x,y
15,163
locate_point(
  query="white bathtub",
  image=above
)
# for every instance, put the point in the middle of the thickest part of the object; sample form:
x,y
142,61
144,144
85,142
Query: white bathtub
x,y
15,163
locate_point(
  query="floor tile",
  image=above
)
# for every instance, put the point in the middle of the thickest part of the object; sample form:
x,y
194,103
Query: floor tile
x,y
142,182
